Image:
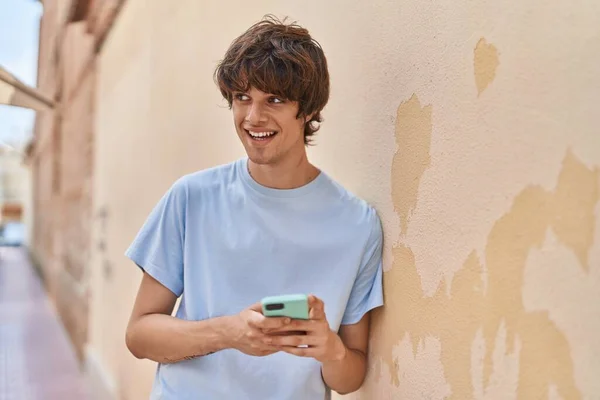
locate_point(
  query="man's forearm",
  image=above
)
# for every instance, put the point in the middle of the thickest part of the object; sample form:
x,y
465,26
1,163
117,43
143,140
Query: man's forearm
x,y
346,375
166,339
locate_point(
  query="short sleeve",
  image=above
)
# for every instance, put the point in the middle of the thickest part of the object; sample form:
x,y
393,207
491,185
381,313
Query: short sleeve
x,y
159,245
367,291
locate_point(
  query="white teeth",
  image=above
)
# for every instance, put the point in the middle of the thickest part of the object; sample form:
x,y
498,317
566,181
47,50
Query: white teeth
x,y
260,134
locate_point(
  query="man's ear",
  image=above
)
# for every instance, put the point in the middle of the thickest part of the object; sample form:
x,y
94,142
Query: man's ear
x,y
308,117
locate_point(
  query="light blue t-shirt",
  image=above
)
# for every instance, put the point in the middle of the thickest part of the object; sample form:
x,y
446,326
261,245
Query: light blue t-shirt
x,y
223,242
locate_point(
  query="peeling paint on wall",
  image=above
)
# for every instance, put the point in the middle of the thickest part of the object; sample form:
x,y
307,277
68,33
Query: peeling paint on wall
x,y
492,315
485,64
413,138
573,205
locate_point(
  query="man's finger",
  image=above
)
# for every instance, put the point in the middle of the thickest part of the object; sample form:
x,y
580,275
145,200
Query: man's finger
x,y
275,332
271,349
294,341
317,307
314,300
300,351
256,307
296,325
262,322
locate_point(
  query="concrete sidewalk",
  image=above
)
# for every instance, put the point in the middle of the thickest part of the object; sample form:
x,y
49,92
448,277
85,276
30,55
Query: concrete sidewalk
x,y
36,357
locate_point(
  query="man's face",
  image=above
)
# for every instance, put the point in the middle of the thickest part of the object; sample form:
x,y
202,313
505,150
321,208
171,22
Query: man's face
x,y
267,126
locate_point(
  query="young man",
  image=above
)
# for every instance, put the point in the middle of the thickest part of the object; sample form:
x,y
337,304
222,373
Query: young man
x,y
270,223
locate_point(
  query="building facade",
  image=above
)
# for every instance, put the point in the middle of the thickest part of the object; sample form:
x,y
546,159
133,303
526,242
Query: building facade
x,y
470,127
62,154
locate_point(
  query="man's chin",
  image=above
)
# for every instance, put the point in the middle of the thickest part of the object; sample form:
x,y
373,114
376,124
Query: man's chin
x,y
260,160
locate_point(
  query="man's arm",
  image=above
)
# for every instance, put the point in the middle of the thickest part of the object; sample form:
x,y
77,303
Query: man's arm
x,y
347,375
154,334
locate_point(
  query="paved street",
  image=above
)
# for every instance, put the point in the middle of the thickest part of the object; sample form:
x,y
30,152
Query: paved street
x,y
36,358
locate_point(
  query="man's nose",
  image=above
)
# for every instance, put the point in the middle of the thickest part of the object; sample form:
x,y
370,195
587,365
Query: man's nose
x,y
255,114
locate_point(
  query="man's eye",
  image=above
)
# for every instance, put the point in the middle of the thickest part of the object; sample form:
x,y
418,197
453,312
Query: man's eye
x,y
241,96
276,100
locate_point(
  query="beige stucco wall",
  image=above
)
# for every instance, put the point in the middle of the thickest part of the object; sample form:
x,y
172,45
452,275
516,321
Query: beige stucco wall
x,y
469,125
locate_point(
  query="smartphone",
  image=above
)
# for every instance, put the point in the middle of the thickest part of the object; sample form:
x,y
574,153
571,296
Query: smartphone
x,y
294,306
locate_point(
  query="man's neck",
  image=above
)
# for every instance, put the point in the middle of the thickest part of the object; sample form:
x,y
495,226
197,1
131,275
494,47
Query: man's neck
x,y
288,174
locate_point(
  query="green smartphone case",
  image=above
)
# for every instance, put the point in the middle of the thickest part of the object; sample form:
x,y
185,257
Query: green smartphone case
x,y
290,305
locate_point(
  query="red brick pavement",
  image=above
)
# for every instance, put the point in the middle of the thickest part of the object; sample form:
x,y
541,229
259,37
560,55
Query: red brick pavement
x,y
36,357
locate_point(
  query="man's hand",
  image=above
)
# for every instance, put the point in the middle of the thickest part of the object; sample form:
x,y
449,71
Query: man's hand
x,y
247,331
322,343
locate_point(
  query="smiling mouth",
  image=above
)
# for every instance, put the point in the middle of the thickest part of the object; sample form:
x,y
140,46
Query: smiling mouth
x,y
261,136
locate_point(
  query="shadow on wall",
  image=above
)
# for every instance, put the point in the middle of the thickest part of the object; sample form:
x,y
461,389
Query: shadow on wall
x,y
495,315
